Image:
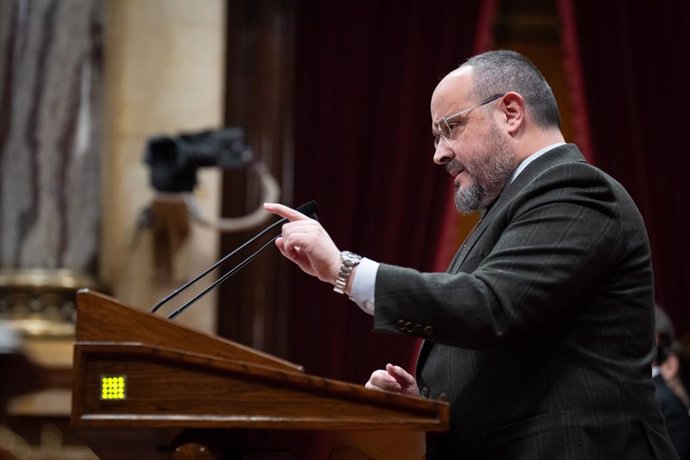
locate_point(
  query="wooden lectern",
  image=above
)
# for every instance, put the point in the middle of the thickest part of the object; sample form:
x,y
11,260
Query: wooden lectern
x,y
148,388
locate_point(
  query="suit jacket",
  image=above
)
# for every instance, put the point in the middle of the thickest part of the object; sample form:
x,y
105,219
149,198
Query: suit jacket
x,y
676,415
541,332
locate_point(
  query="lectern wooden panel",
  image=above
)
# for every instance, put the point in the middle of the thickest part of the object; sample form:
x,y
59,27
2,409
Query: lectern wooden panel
x,y
147,387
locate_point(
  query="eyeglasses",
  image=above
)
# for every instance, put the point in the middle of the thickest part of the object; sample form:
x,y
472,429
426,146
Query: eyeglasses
x,y
445,128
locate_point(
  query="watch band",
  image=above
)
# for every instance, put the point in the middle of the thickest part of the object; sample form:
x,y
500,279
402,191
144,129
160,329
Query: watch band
x,y
350,261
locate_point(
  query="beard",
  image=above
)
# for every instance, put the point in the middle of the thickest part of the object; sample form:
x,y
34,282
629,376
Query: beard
x,y
490,168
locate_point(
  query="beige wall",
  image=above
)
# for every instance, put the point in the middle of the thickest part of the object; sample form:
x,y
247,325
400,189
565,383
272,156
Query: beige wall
x,y
164,67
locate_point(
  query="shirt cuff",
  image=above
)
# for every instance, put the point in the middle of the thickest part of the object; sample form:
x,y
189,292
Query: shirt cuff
x,y
364,284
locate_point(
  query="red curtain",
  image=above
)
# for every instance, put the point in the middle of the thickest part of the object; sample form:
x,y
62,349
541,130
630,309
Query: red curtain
x,y
633,61
365,71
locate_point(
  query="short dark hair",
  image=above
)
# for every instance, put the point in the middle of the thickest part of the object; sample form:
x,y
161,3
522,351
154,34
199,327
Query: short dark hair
x,y
501,71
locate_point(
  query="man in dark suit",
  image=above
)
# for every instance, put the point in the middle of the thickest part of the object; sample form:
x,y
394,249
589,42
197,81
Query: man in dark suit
x,y
540,335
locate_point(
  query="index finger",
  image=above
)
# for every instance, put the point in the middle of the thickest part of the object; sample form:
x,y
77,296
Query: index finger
x,y
284,211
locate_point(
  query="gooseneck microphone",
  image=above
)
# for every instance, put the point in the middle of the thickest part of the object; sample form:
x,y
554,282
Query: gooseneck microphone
x,y
309,209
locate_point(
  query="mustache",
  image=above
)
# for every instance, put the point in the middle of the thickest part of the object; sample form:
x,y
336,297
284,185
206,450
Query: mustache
x,y
454,165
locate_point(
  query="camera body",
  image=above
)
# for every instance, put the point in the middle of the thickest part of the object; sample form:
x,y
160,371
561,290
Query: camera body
x,y
174,160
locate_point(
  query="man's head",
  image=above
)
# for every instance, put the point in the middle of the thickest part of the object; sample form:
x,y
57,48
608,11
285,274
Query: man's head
x,y
487,116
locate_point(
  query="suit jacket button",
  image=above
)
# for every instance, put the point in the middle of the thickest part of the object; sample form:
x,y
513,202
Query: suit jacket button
x,y
425,392
401,325
418,329
409,327
428,331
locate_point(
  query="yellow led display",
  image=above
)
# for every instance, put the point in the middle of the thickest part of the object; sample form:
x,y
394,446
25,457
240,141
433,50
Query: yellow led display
x,y
113,387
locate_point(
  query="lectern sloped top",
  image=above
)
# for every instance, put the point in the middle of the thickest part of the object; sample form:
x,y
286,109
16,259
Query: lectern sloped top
x,y
101,318
135,370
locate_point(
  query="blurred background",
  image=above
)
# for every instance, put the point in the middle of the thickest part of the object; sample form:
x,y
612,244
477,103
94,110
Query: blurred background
x,y
106,182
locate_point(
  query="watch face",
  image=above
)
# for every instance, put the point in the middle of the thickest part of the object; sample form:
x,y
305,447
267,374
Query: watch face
x,y
350,258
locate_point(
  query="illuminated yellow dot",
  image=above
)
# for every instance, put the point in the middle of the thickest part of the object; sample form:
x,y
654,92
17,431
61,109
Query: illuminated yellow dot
x,y
113,387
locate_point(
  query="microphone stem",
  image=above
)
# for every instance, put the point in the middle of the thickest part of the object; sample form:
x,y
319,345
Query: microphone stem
x,y
206,272
227,275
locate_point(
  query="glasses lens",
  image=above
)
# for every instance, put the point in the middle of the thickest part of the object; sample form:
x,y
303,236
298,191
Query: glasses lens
x,y
444,133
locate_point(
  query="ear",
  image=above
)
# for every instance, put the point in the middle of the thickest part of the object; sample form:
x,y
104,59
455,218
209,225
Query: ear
x,y
513,112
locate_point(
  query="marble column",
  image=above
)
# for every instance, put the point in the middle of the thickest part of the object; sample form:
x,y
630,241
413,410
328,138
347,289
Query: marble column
x,y
50,133
51,145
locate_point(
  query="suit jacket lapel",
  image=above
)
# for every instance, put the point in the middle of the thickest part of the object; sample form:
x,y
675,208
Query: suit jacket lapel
x,y
469,242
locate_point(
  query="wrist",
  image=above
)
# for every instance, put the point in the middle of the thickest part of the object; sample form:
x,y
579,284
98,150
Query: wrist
x,y
349,263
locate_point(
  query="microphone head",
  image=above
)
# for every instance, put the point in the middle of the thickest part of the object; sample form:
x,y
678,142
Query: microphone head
x,y
309,209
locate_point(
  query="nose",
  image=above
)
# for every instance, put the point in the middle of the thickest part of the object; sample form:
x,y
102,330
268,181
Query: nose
x,y
443,153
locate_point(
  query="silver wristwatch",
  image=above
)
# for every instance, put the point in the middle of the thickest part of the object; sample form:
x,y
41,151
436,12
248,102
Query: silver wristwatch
x,y
350,261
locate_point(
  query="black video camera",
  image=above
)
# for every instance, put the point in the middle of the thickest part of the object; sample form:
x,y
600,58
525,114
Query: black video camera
x,y
174,160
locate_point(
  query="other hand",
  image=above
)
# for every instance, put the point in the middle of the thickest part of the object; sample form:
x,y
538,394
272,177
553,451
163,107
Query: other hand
x,y
393,379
